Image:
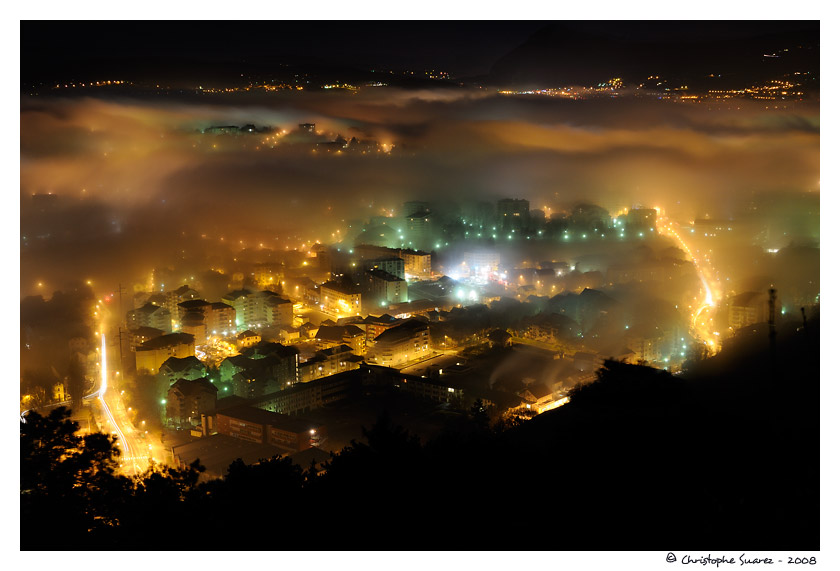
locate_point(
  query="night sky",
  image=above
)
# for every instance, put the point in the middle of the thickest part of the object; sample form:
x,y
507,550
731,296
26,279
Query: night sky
x,y
52,48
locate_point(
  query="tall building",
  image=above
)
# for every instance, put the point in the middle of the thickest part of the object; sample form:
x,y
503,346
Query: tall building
x,y
149,315
196,306
748,308
176,296
259,309
413,207
194,323
394,265
418,264
187,400
385,289
419,230
221,319
279,312
242,301
262,369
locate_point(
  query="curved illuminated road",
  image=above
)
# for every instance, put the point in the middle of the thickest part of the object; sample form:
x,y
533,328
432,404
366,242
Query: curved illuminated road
x,y
134,458
701,320
136,450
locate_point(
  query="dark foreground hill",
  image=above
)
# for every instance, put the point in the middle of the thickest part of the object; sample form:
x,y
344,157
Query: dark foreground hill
x,y
722,457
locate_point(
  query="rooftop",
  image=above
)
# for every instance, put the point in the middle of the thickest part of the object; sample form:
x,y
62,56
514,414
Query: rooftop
x,y
176,364
237,293
217,452
190,387
335,286
401,331
147,332
266,417
167,341
744,299
194,304
383,275
150,308
246,334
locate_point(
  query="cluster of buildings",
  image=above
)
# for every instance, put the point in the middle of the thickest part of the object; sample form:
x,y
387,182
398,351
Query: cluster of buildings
x,y
369,279
284,368
174,323
283,422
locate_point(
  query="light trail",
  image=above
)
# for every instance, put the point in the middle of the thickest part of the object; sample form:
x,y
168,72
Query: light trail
x,y
102,390
130,459
135,453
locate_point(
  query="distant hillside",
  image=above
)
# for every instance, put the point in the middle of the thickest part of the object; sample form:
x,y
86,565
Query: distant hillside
x,y
563,54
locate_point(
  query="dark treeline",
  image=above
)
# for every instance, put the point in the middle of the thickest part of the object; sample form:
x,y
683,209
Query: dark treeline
x,y
725,456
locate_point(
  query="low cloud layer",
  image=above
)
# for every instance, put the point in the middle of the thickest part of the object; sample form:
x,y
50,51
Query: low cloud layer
x,y
144,164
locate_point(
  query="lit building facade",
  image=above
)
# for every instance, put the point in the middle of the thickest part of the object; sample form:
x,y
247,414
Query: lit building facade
x,y
386,289
402,344
150,355
150,315
418,264
187,400
339,300
748,308
221,319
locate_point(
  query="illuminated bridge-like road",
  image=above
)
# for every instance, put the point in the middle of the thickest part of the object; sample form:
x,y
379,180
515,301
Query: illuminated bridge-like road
x,y
701,319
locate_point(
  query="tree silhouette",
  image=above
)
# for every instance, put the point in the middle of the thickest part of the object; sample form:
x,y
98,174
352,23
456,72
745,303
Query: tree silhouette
x,y
69,485
479,415
641,456
76,380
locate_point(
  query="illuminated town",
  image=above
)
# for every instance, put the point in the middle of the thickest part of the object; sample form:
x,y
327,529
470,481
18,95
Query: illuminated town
x,y
351,295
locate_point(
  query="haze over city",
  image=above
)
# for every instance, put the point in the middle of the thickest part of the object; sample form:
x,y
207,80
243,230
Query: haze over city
x,y
271,259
